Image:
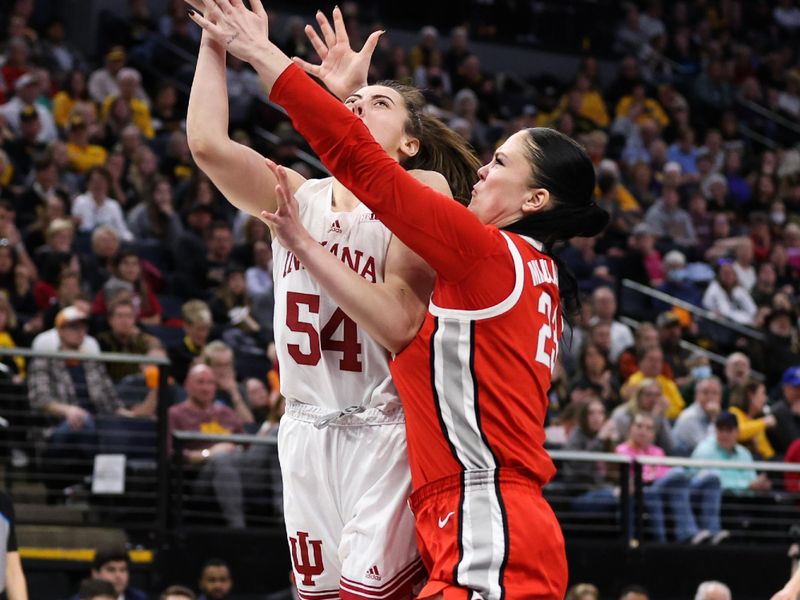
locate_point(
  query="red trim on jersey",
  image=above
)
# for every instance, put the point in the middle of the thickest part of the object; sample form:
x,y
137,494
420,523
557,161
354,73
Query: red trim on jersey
x,y
318,595
399,587
413,566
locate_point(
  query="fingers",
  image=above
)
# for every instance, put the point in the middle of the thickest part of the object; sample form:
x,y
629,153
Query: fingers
x,y
306,66
196,4
325,27
340,31
257,6
372,42
223,5
318,45
215,31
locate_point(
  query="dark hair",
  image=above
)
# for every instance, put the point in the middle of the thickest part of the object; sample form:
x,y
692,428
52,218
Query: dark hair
x,y
177,590
634,589
214,562
107,555
440,148
92,588
583,415
159,222
562,167
740,394
585,350
97,170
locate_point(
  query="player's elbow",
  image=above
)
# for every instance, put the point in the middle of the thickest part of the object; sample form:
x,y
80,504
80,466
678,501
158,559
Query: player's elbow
x,y
399,338
201,146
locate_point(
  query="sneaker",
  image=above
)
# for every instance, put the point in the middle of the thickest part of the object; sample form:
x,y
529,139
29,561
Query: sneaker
x,y
720,536
700,537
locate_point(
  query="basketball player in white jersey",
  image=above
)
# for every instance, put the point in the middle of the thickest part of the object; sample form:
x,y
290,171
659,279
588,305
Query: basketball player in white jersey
x,y
342,442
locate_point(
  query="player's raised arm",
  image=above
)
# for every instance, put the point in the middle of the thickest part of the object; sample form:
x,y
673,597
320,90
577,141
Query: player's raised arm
x,y
238,171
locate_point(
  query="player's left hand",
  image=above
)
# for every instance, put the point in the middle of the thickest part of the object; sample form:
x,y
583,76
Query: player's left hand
x,y
285,221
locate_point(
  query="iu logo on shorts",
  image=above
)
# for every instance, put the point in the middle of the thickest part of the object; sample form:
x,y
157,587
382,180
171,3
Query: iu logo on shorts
x,y
305,565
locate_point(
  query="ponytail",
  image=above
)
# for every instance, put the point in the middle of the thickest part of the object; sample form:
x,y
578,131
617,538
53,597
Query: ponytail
x,y
440,148
562,167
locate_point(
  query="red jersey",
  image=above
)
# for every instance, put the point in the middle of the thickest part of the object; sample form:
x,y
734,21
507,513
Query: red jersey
x,y
474,381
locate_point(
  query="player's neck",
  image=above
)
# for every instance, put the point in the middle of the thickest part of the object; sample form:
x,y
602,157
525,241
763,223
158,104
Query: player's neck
x,y
343,199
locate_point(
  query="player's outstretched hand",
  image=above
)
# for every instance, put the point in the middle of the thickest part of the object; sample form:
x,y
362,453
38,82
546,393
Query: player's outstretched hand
x,y
343,70
242,31
285,221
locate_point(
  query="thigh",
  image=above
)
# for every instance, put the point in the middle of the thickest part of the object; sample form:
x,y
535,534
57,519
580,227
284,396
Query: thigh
x,y
312,517
378,546
497,541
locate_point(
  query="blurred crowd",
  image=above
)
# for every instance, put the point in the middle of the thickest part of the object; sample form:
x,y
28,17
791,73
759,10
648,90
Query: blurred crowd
x,y
112,239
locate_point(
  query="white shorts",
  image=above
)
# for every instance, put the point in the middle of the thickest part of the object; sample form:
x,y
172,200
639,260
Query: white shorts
x,y
345,497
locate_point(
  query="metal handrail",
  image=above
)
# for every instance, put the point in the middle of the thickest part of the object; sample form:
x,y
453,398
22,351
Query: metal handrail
x,y
116,357
585,456
758,137
695,349
234,438
696,310
770,114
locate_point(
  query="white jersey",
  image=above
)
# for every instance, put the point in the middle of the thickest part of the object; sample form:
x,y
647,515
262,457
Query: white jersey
x,y
325,359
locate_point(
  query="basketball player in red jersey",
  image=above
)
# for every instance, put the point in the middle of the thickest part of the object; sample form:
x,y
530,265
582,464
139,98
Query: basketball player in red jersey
x,y
474,380
341,443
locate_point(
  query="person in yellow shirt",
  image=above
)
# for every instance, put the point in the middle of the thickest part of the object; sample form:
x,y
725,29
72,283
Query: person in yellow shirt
x,y
81,154
651,364
8,323
586,102
128,80
638,107
75,94
747,403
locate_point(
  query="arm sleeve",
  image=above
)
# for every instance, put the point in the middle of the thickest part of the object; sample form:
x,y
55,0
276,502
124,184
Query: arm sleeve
x,y
444,233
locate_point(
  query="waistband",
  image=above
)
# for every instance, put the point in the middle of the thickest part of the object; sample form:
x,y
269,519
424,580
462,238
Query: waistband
x,y
349,417
474,480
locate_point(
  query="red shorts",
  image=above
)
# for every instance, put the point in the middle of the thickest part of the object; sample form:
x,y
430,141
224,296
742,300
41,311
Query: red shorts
x,y
489,533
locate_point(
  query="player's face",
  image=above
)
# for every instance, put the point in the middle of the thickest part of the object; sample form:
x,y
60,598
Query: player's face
x,y
384,112
502,189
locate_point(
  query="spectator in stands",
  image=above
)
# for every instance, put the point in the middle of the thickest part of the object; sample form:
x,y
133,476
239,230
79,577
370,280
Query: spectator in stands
x,y
73,392
74,95
677,488
725,297
215,582
113,565
125,337
103,81
100,263
94,207
82,154
230,305
258,278
128,278
218,462
604,305
219,357
131,389
595,372
197,323
593,433
96,589
713,590
50,340
787,413
203,253
743,264
12,578
671,222
155,218
645,399
651,366
583,591
129,83
722,446
677,283
670,335
10,332
642,263
765,287
637,107
177,592
685,153
27,88
634,592
645,337
26,147
33,199
781,348
747,402
737,370
696,423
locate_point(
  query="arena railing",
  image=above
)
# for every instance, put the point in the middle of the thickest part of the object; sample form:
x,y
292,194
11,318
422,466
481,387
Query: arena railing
x,y
113,475
605,509
696,311
713,357
776,118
